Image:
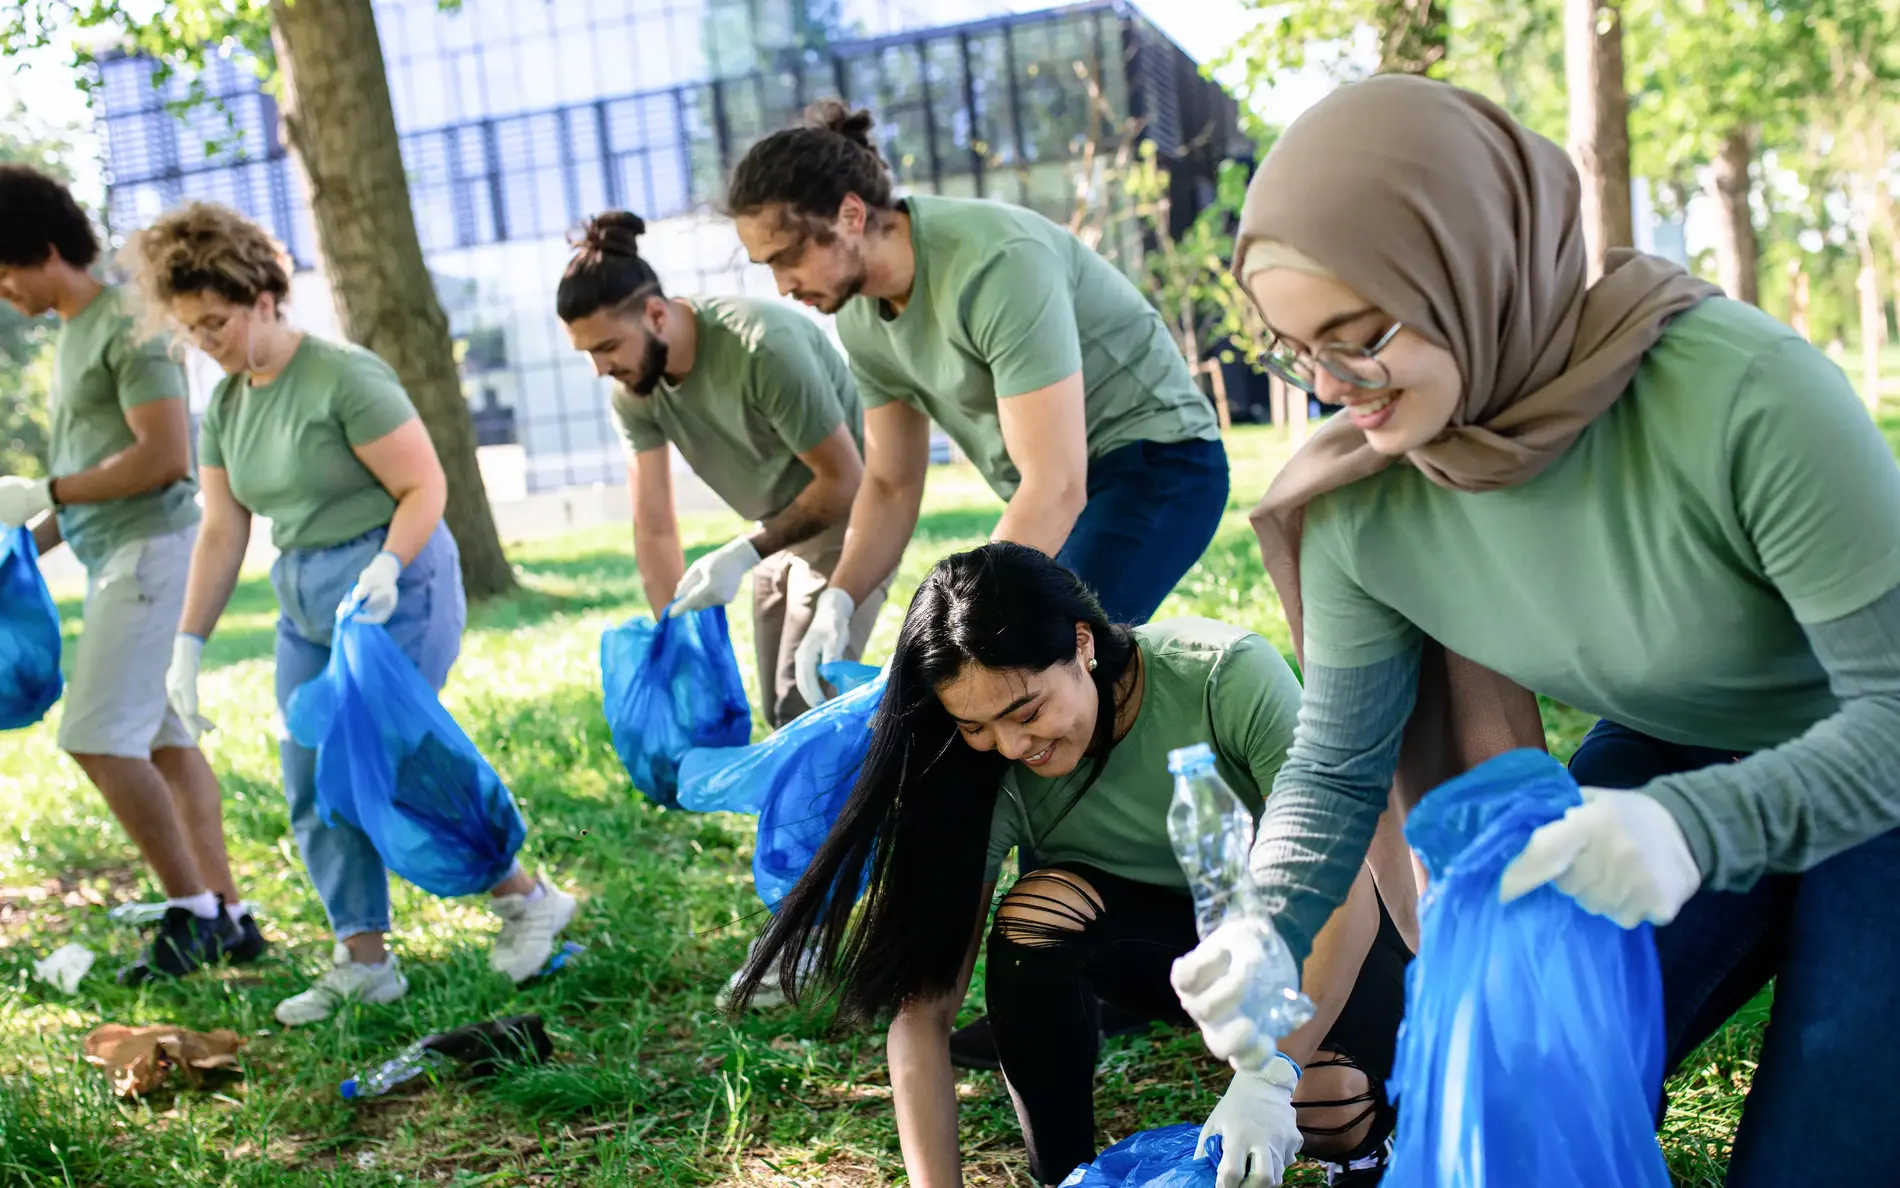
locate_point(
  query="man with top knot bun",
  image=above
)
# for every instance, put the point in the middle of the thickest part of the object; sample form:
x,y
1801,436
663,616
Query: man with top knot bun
x,y
761,407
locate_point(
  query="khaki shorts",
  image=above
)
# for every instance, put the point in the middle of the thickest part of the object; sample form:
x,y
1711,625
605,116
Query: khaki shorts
x,y
115,701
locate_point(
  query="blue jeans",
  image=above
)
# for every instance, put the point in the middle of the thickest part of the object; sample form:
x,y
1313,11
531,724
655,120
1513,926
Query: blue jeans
x,y
427,626
1820,1108
1152,511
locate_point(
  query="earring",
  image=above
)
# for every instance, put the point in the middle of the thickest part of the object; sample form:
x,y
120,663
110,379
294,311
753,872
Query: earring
x,y
1091,664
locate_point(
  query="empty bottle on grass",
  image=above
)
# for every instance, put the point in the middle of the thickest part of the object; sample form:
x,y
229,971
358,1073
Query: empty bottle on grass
x,y
1212,832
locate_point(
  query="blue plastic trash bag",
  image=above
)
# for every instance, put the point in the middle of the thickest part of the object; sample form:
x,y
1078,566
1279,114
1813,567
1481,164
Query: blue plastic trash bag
x,y
797,780
1532,1047
1161,1158
29,635
391,762
671,686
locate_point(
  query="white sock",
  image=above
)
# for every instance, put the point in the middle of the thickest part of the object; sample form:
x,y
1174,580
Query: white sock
x,y
203,905
235,911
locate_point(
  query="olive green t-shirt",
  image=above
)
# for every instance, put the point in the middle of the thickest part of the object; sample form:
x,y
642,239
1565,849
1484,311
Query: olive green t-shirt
x,y
765,387
288,446
100,369
1659,571
1206,682
1005,302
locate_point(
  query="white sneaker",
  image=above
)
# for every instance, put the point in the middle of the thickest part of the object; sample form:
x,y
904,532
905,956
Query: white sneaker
x,y
528,929
345,982
769,993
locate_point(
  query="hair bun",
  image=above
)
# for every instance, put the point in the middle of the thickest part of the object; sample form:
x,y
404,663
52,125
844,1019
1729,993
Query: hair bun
x,y
613,232
834,116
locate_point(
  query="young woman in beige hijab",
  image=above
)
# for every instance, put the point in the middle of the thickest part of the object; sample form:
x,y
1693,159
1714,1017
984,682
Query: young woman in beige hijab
x,y
1633,495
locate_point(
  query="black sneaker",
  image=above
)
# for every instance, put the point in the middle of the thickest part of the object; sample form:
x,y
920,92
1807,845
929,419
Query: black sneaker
x,y
974,1047
1360,1173
183,944
249,944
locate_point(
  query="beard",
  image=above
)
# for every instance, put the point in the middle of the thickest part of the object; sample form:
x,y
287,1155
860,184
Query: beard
x,y
849,286
652,368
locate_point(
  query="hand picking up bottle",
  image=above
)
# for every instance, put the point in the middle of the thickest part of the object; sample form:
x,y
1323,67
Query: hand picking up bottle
x,y
1241,985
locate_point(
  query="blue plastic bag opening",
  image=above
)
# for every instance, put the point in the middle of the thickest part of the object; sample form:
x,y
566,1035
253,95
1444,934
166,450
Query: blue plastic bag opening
x,y
1532,1046
1161,1158
797,780
393,763
671,686
30,681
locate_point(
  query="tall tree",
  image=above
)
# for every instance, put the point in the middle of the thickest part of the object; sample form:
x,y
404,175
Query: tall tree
x,y
342,128
326,58
1712,82
1599,123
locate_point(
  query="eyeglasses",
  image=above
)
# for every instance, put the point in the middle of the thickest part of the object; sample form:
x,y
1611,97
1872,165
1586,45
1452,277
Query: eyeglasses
x,y
1356,365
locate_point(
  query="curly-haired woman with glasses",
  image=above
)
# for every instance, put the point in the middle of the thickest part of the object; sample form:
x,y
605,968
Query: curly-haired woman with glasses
x,y
320,438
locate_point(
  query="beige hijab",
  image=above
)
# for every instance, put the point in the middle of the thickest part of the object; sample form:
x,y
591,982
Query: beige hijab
x,y
1433,204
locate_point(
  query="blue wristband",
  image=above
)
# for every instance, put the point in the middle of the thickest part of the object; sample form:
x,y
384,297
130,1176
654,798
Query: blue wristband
x,y
1298,1072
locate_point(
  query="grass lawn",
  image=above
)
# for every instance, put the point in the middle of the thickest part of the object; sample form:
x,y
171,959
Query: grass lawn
x,y
650,1085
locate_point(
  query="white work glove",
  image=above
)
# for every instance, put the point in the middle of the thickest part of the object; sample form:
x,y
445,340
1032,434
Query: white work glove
x,y
1212,981
824,643
714,579
1618,854
23,498
375,592
181,683
1259,1131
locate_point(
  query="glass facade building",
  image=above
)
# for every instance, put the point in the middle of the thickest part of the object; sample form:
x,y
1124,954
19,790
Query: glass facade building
x,y
519,118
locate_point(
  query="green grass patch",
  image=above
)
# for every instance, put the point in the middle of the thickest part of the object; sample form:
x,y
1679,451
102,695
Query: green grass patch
x,y
650,1085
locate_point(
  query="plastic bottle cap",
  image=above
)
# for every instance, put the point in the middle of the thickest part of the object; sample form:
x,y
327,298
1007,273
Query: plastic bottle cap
x,y
349,1089
1182,760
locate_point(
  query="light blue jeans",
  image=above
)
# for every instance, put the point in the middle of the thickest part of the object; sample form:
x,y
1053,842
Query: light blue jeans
x,y
430,614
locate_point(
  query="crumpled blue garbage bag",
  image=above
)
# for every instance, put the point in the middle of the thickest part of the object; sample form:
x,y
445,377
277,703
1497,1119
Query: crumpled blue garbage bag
x,y
671,686
1532,1046
393,763
1161,1158
797,780
30,681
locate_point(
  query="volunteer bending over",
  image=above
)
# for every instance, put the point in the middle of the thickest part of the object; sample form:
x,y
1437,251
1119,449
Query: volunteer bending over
x,y
762,408
120,494
1019,717
1038,358
1634,495
320,438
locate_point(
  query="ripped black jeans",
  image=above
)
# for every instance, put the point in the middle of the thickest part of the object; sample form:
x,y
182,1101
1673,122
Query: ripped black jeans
x,y
1068,935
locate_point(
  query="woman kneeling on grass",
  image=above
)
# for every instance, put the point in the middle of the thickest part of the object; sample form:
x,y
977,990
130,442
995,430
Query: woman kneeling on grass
x,y
1018,716
320,438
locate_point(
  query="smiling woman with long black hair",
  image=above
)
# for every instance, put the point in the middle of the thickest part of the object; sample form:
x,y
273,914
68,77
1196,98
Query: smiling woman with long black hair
x,y
1018,715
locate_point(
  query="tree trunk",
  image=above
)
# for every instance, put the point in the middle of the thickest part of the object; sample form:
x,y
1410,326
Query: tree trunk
x,y
1414,36
1736,255
342,128
1800,298
1873,318
1599,123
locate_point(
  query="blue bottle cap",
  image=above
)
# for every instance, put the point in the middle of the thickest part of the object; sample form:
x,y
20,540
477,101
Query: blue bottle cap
x,y
349,1089
1183,760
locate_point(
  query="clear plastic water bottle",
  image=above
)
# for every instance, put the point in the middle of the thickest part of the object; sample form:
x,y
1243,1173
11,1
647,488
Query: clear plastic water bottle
x,y
1212,832
414,1061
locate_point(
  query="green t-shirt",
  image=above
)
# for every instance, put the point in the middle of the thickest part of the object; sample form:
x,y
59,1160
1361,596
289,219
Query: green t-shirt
x,y
288,446
1206,682
1657,573
1005,302
100,369
765,387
